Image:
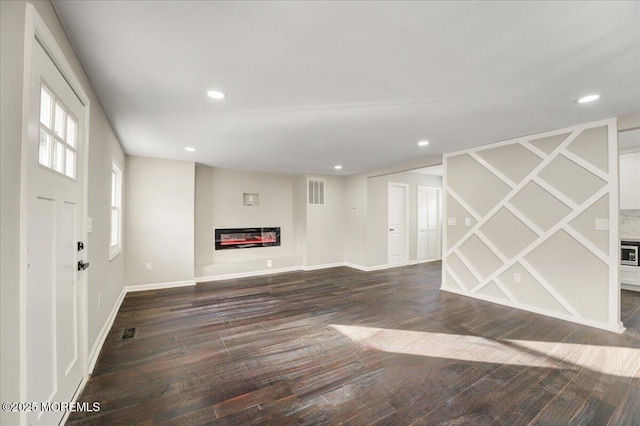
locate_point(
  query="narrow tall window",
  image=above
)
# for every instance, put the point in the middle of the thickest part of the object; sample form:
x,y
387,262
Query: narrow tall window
x,y
116,211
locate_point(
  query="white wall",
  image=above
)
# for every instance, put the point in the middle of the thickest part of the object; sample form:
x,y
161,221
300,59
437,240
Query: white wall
x,y
326,224
305,237
300,217
355,211
204,200
104,277
378,208
219,204
361,248
159,218
12,15
533,243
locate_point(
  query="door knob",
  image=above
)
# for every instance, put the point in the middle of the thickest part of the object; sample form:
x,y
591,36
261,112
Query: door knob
x,y
82,266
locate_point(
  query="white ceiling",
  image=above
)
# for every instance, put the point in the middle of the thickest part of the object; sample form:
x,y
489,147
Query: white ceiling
x,y
314,84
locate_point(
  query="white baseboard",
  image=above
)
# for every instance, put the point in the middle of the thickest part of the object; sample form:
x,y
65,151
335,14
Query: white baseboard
x,y
248,274
158,286
618,328
356,266
324,266
429,260
366,268
104,332
630,287
75,397
102,336
262,272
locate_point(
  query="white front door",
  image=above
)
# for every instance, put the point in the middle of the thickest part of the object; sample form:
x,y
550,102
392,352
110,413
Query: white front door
x,y
398,223
55,342
429,228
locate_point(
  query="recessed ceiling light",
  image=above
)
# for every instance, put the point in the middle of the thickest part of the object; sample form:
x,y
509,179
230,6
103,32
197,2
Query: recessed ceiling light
x,y
215,94
337,167
189,148
423,143
588,98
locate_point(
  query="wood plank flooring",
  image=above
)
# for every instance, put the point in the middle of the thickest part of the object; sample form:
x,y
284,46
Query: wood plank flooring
x,y
340,346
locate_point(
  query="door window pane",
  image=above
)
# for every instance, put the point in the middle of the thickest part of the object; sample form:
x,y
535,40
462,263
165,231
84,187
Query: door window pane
x,y
58,157
70,164
60,120
72,125
46,112
44,155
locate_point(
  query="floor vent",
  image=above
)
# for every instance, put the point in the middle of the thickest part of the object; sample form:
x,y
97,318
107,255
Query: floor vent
x,y
128,333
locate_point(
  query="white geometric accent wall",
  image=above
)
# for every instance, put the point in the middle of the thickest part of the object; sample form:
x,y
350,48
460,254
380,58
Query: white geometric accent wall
x,y
526,224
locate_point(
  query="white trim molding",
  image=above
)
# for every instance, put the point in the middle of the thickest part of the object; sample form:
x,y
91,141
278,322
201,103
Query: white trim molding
x,y
368,268
158,286
607,256
617,328
323,266
104,332
222,277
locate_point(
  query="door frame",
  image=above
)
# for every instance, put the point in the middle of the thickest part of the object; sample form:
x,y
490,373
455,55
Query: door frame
x,y
440,202
405,232
36,31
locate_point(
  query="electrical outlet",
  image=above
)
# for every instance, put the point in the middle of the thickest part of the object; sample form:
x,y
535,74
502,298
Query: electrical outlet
x,y
269,263
602,224
517,278
467,221
99,301
149,267
451,221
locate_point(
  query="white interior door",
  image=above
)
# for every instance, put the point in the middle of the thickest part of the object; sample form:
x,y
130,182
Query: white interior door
x,y
398,241
55,343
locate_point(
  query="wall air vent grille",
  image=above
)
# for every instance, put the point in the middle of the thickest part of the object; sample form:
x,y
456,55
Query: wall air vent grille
x,y
315,191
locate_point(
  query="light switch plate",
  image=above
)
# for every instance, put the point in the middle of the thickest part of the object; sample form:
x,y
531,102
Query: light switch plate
x,y
451,221
467,221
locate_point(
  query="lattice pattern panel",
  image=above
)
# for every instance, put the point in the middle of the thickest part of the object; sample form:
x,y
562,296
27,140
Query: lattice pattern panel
x,y
526,224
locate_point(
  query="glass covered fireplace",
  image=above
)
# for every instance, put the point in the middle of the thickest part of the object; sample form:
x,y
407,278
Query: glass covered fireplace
x,y
239,238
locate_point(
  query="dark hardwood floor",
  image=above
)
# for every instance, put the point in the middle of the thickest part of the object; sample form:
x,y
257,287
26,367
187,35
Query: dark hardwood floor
x,y
340,346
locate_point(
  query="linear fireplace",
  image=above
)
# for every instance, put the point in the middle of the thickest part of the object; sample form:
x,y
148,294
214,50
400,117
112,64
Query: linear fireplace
x,y
238,238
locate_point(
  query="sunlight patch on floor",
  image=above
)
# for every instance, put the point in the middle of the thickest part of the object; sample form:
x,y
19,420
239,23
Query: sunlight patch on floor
x,y
613,360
